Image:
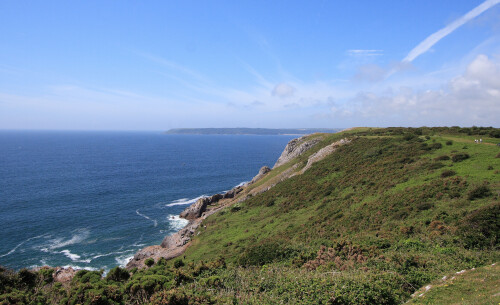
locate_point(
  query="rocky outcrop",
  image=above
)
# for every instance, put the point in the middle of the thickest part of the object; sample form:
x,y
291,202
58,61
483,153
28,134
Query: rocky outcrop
x,y
262,172
63,275
295,148
196,210
180,238
175,244
322,153
233,192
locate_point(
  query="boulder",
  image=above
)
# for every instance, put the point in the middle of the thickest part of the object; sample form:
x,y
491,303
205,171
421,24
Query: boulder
x,y
63,275
196,209
262,172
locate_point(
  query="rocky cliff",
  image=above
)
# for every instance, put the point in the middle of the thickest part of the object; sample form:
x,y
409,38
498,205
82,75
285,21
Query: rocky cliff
x,y
295,148
175,244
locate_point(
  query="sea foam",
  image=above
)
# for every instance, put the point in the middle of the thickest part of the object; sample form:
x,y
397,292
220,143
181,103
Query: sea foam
x,y
184,201
155,223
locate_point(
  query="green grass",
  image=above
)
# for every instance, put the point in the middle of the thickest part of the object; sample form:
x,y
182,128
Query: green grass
x,y
370,224
479,286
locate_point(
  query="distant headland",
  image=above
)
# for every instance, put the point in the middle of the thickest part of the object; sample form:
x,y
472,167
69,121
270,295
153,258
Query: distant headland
x,y
251,131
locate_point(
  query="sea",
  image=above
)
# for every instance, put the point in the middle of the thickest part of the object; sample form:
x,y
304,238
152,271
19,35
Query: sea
x,y
90,200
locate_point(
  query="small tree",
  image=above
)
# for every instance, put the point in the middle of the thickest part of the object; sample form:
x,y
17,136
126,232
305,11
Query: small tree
x,y
149,262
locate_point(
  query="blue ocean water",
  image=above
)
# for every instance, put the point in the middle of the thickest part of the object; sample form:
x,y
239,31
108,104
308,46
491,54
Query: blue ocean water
x,y
92,199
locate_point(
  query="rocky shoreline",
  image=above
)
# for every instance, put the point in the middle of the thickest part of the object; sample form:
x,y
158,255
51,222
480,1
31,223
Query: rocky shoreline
x,y
174,245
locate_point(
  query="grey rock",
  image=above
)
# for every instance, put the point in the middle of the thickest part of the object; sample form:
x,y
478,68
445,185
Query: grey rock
x,y
295,148
262,172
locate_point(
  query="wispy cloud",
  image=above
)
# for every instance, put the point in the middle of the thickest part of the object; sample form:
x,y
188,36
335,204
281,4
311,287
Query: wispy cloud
x,y
358,52
174,66
425,45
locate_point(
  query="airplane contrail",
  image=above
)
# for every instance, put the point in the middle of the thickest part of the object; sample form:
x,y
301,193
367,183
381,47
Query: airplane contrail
x,y
425,45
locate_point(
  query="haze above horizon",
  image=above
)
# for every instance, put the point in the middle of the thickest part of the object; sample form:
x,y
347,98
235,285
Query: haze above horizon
x,y
93,65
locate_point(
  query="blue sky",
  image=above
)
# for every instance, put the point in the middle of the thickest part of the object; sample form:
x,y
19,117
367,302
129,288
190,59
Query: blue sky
x,y
155,65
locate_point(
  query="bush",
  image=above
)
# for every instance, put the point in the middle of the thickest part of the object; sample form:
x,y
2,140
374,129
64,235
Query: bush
x,y
478,192
436,165
495,133
409,136
27,278
178,263
149,262
436,146
86,276
448,173
264,253
172,297
460,157
481,228
117,274
450,142
442,158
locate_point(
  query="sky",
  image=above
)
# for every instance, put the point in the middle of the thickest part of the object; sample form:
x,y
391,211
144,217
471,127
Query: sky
x,y
156,65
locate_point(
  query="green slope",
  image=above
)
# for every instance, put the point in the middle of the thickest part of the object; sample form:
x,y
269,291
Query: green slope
x,y
379,218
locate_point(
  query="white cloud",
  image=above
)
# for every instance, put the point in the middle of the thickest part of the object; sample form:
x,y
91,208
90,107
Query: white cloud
x,y
283,90
472,98
425,45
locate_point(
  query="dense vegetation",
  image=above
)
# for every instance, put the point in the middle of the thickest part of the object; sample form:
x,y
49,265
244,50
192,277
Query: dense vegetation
x,y
373,222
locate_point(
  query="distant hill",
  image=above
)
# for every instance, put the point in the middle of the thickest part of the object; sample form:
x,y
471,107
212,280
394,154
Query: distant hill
x,y
251,131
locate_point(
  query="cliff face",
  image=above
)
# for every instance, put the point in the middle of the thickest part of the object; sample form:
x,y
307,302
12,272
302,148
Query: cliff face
x,y
295,148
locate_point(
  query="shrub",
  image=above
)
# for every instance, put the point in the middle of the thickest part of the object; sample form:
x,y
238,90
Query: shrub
x,y
448,173
495,133
436,165
478,192
409,136
118,274
178,263
264,253
460,157
442,158
149,284
481,228
27,278
172,297
436,146
449,142
235,208
161,262
86,276
149,262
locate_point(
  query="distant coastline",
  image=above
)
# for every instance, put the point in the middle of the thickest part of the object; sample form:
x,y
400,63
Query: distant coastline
x,y
251,131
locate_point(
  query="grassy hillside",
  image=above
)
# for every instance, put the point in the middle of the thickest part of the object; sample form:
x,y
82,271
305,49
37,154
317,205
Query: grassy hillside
x,y
381,217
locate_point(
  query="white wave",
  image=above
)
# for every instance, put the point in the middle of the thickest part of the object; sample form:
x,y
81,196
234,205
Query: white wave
x,y
75,257
22,243
75,267
142,215
242,183
78,237
184,201
111,253
176,222
123,260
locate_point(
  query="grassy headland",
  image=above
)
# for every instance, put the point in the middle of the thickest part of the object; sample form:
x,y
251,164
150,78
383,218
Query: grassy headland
x,y
394,210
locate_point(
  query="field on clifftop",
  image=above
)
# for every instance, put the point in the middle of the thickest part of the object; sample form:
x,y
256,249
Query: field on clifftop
x,y
373,222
